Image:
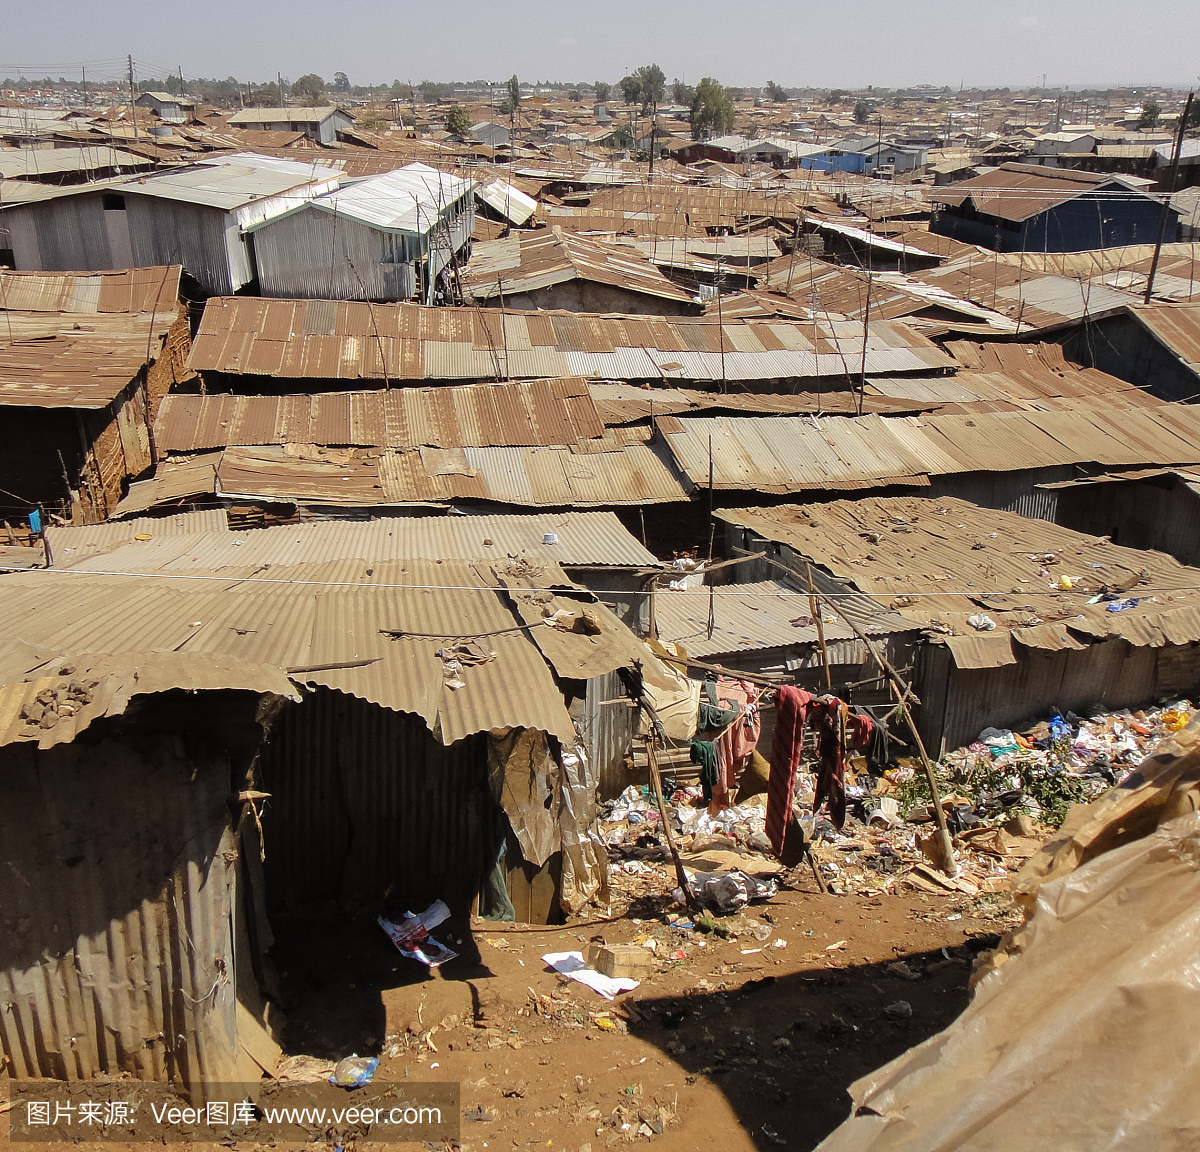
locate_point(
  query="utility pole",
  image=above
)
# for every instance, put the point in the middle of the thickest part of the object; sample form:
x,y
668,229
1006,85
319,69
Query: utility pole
x,y
1166,208
279,84
83,69
180,81
132,106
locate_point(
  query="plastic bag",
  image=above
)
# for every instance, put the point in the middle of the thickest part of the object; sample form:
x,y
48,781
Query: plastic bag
x,y
354,1071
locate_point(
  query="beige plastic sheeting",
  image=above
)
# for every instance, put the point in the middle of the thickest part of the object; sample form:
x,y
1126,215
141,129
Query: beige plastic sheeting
x,y
1086,1040
523,777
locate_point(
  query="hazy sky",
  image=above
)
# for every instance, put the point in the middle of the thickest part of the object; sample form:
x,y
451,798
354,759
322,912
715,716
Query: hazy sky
x,y
831,43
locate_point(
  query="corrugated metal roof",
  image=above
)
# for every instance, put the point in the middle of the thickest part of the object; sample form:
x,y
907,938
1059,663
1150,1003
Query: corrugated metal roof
x,y
503,198
173,480
411,342
300,616
71,546
527,261
751,617
484,415
521,476
30,163
1177,327
119,678
306,114
793,453
76,340
130,290
412,199
941,560
1016,192
232,182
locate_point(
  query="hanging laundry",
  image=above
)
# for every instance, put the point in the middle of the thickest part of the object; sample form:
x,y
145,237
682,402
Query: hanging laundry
x,y
791,712
704,754
837,730
736,744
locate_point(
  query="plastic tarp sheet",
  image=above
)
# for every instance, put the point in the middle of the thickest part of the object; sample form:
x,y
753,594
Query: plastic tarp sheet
x,y
1084,1037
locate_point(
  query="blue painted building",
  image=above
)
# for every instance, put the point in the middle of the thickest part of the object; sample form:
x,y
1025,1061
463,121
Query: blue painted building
x,y
1028,208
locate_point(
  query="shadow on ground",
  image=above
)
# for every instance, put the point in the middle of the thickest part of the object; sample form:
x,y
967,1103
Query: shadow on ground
x,y
784,1049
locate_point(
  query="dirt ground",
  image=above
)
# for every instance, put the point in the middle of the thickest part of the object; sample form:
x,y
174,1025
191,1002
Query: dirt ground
x,y
741,1044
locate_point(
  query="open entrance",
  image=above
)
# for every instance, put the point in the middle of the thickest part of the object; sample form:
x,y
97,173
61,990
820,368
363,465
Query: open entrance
x,y
368,816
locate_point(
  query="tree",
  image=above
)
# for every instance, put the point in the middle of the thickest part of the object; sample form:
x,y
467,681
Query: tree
x,y
862,112
631,88
602,91
514,92
431,91
265,96
310,88
574,95
1150,114
681,93
712,109
777,92
458,120
654,85
341,82
836,95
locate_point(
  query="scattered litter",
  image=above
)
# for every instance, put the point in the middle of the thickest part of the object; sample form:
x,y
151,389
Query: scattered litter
x,y
411,935
571,964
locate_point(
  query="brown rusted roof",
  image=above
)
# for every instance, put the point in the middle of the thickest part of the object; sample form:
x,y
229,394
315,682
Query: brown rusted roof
x,y
1016,192
611,474
74,339
481,415
527,261
131,290
939,560
326,339
1176,327
794,453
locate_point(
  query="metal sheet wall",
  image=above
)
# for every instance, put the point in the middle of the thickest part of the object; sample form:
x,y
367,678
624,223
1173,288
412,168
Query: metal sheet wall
x,y
61,235
313,254
364,799
116,950
958,704
608,732
174,232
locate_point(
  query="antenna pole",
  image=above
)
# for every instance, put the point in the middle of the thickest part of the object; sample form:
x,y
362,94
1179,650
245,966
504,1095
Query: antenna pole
x,y
1166,208
132,107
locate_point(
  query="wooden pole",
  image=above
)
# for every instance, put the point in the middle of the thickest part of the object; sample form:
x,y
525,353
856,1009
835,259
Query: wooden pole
x,y
903,692
815,611
656,783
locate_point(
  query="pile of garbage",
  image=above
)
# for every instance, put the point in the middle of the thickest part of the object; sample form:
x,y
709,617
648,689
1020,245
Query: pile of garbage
x,y
1003,795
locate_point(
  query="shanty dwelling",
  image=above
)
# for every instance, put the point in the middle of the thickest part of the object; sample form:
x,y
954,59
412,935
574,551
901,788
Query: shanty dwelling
x,y
173,109
84,361
1029,208
896,158
1000,460
536,444
133,955
488,134
197,216
305,758
319,124
290,339
1154,346
1020,615
385,237
63,166
548,269
1156,508
766,628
